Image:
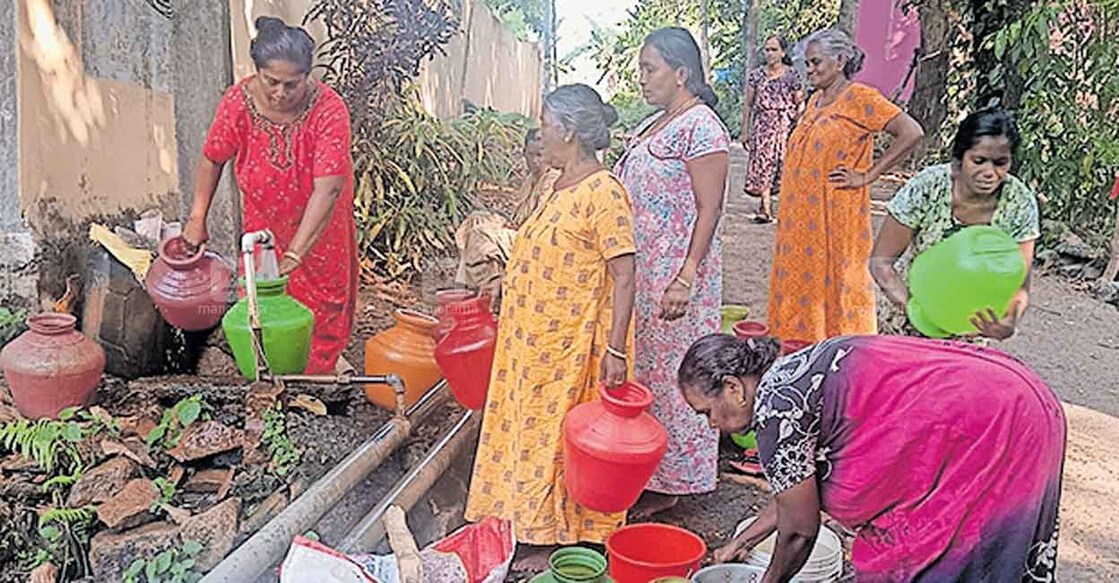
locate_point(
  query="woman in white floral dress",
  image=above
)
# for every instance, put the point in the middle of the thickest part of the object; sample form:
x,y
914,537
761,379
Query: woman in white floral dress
x,y
675,172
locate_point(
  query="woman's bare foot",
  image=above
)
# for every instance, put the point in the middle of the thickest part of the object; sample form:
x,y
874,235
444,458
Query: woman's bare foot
x,y
650,504
532,558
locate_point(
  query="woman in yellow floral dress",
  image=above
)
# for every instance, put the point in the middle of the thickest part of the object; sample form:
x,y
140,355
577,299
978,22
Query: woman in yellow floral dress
x,y
567,301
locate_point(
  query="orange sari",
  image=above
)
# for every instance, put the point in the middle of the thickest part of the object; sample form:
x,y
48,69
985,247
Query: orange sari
x,y
819,285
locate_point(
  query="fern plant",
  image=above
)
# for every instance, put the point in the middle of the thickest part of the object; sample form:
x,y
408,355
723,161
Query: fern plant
x,y
48,443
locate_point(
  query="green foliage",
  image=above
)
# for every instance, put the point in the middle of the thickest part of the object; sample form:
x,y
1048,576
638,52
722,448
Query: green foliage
x,y
415,177
49,443
166,490
1067,54
523,18
12,324
63,536
169,566
175,419
275,438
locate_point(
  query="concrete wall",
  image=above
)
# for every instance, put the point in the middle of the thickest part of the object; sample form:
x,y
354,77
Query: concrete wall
x,y
87,132
484,63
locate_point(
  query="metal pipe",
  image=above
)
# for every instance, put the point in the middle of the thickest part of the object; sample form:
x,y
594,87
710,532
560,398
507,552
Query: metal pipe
x,y
268,546
371,529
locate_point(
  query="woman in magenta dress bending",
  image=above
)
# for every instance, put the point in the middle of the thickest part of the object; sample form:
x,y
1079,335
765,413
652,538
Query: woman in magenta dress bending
x,y
944,458
289,138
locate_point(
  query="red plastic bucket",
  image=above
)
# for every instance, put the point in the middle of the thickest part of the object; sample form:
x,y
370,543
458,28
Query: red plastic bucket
x,y
639,553
750,329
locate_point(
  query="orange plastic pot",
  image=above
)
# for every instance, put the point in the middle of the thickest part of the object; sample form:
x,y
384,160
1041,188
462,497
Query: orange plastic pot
x,y
407,349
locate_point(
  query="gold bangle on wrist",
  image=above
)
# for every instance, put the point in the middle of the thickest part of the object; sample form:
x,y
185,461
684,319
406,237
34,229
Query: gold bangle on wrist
x,y
615,352
683,282
294,257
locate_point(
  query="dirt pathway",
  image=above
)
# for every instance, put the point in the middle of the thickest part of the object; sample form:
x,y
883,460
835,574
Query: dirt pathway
x,y
1068,337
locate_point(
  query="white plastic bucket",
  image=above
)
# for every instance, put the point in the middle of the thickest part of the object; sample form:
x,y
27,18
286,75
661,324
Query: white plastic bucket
x,y
824,564
729,573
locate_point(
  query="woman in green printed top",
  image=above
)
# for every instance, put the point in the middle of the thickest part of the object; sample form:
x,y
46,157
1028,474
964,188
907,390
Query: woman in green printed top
x,y
975,188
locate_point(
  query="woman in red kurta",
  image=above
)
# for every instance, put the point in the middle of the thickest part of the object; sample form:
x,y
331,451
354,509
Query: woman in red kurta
x,y
289,138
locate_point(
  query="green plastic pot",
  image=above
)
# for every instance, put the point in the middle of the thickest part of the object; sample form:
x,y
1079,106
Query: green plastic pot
x,y
745,441
731,314
285,329
979,267
577,565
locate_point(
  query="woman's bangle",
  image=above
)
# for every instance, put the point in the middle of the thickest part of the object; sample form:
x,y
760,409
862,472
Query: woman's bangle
x,y
683,282
294,257
615,352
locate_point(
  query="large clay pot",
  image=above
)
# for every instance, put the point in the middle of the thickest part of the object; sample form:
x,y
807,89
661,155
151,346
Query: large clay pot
x,y
465,354
406,350
285,329
979,267
51,366
189,289
611,447
444,297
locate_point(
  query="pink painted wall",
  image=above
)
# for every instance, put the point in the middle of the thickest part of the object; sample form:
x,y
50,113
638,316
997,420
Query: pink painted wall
x,y
889,36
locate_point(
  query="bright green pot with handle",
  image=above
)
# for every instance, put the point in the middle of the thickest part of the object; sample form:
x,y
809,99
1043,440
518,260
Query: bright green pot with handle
x,y
285,329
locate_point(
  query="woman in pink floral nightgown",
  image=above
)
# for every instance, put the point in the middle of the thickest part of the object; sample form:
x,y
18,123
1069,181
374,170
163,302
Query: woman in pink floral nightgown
x,y
675,172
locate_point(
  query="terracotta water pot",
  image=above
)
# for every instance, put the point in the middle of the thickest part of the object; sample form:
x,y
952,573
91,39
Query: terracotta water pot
x,y
407,350
189,289
51,366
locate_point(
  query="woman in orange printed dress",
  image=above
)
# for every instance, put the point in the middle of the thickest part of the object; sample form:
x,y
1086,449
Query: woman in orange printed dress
x,y
289,138
566,306
819,284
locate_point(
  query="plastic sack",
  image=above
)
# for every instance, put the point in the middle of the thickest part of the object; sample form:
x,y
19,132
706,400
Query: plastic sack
x,y
475,553
977,268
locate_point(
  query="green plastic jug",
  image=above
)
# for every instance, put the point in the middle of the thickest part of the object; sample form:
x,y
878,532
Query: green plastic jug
x,y
977,268
285,329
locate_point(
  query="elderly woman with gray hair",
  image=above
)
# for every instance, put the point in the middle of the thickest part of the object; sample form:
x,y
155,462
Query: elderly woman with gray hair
x,y
819,284
567,299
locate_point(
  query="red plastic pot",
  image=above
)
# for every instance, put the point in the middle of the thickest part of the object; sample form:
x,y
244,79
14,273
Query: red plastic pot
x,y
790,346
465,353
51,366
750,329
444,297
190,290
643,552
611,447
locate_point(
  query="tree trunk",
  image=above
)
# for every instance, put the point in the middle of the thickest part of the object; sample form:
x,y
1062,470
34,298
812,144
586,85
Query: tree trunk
x,y
848,14
928,105
749,35
704,42
549,80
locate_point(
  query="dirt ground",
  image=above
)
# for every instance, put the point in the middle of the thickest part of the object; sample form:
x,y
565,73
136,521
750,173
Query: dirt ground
x,y
1071,340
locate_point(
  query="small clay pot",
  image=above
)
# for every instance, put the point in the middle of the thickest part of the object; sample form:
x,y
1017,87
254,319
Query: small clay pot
x,y
407,350
51,366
